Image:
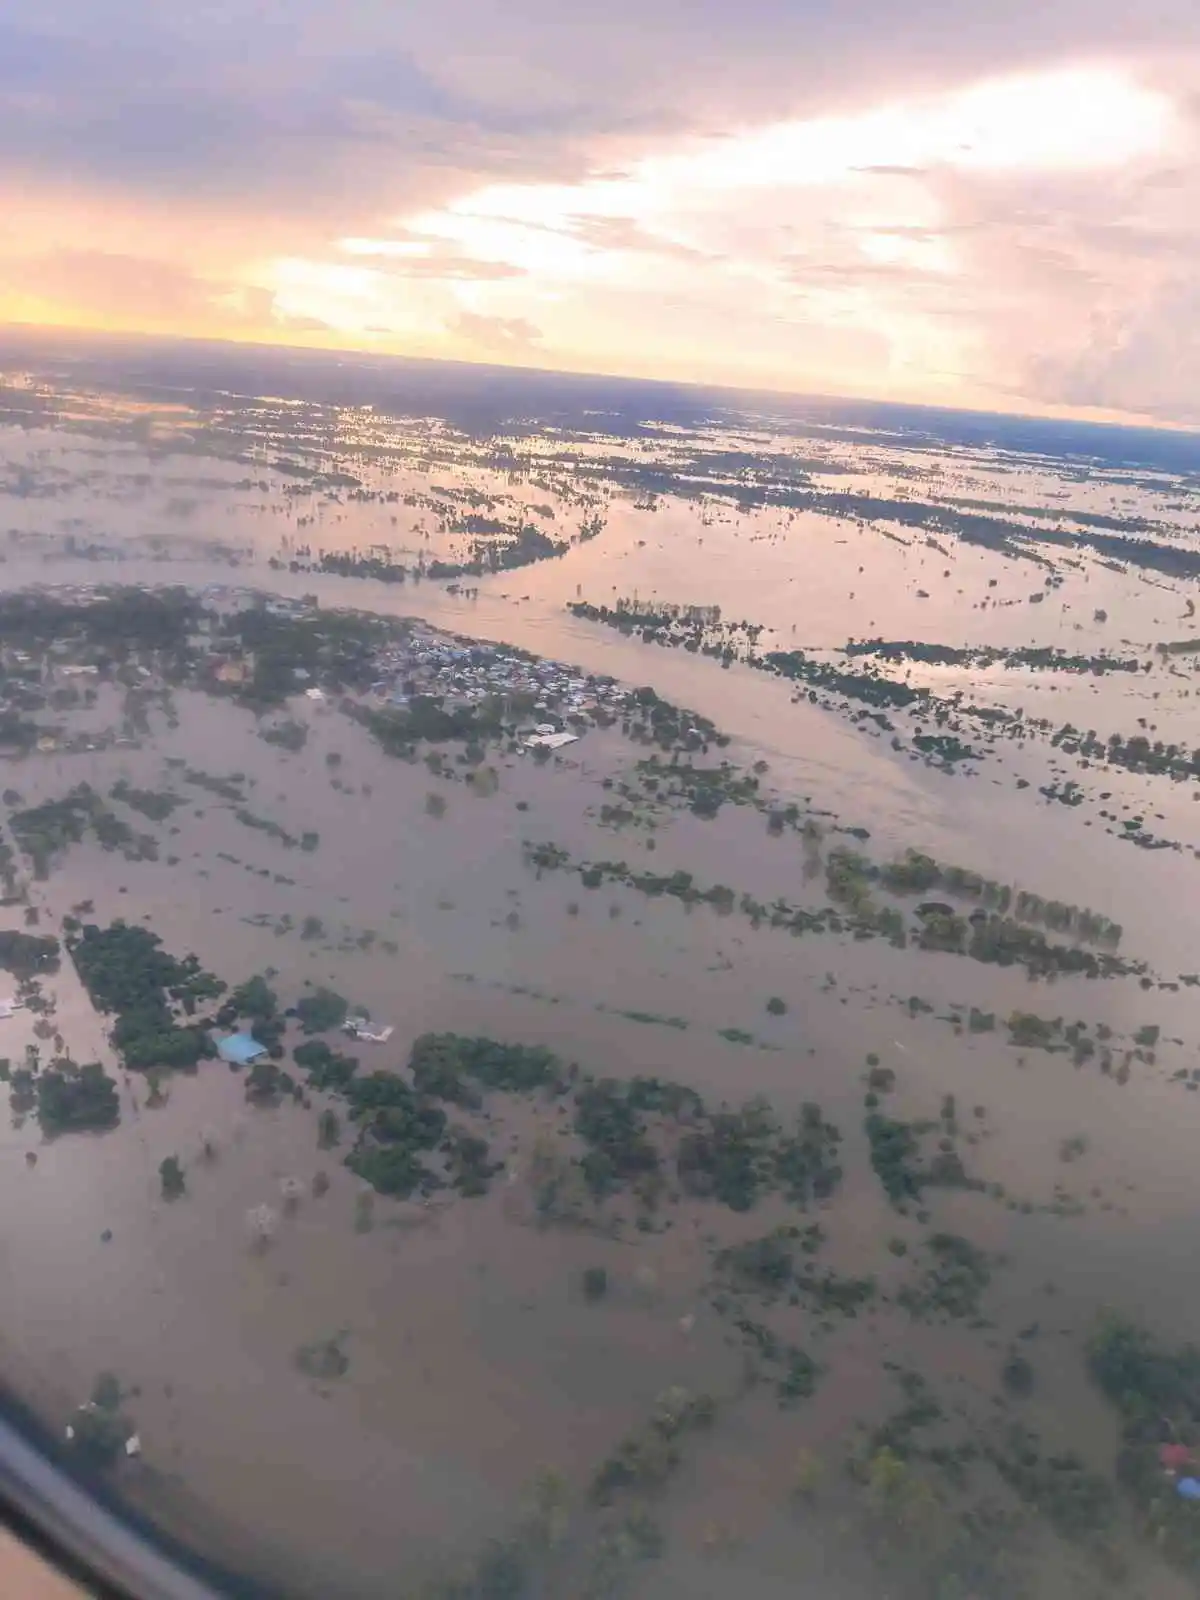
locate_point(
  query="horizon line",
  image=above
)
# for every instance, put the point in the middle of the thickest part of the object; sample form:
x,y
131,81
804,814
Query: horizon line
x,y
1137,422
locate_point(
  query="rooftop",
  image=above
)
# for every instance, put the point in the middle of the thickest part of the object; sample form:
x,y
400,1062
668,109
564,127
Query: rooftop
x,y
240,1049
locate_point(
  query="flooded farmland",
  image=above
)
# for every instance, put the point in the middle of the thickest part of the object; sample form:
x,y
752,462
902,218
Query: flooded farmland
x,y
720,974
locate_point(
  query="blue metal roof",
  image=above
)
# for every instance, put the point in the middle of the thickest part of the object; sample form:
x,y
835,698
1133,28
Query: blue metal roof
x,y
240,1048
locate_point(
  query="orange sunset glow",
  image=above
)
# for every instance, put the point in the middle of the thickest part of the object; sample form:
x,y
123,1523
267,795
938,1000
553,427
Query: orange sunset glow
x,y
1006,228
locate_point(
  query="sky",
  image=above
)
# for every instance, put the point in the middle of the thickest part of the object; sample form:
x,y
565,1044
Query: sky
x,y
946,201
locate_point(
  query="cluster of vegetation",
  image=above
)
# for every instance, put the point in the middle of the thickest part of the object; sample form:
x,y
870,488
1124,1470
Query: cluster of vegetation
x,y
327,1069
1076,1501
698,629
952,1282
551,1551
45,831
799,1371
324,1359
157,804
611,1120
8,862
497,547
400,730
898,1159
1055,1035
595,1283
1134,752
983,936
321,1010
343,564
1037,658
734,1157
778,1264
307,841
397,1130
632,1132
1002,941
1156,1391
926,1550
286,735
254,999
171,1179
946,748
333,648
738,1156
682,886
26,955
645,1460
917,873
231,788
266,1083
704,790
126,972
111,628
71,1098
649,719
456,1068
405,1143
871,688
98,1429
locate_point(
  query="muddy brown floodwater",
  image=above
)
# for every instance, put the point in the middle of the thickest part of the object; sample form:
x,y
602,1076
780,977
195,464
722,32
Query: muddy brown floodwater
x,y
475,1359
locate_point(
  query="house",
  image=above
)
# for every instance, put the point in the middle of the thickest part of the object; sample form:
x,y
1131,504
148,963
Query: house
x,y
240,1049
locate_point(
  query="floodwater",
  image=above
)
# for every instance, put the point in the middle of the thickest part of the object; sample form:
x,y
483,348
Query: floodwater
x,y
475,1361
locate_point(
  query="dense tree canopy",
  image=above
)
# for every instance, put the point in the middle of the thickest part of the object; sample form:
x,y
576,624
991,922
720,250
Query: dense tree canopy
x,y
125,970
70,1098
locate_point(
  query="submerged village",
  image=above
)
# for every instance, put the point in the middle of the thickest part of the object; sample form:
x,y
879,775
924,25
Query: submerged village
x,y
461,675
693,1189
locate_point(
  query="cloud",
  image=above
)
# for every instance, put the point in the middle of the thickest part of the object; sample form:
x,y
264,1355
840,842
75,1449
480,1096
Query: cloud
x,y
108,285
882,170
955,203
1145,358
511,334
411,255
626,233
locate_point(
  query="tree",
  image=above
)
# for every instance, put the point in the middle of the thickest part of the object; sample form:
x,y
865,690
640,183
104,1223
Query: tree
x,y
97,1434
807,1475
326,1068
171,1174
71,1098
263,1082
24,954
595,1283
322,1010
106,1391
254,999
547,1503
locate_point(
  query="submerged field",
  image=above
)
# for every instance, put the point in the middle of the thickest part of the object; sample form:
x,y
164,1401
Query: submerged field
x,y
851,1067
